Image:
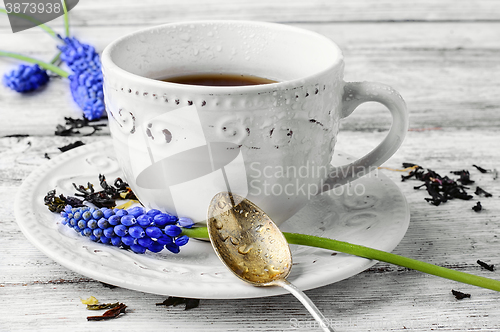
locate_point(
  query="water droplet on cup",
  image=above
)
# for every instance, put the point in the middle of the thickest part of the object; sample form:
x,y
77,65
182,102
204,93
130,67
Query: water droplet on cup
x,y
185,37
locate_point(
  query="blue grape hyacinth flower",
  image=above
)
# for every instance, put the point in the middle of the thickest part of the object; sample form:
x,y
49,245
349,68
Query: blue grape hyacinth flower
x,y
78,56
87,91
86,82
127,228
26,78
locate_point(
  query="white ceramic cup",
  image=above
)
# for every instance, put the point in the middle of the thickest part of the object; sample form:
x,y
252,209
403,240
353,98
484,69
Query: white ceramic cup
x,y
179,145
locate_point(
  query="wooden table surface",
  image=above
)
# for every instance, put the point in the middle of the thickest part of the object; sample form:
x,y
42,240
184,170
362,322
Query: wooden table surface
x,y
442,56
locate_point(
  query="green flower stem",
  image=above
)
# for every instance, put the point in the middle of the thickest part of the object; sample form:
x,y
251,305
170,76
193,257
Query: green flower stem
x,y
55,58
31,19
196,232
362,251
66,18
42,64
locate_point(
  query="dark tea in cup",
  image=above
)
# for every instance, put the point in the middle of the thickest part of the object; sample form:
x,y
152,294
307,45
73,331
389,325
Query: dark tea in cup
x,y
218,79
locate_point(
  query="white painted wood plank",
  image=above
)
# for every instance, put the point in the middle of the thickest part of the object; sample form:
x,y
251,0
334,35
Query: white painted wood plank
x,y
127,13
447,73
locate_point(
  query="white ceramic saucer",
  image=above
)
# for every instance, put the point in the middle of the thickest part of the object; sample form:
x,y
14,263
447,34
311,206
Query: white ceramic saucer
x,y
370,211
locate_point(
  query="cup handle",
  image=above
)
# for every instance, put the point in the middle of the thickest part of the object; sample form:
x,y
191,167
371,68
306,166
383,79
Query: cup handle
x,y
356,93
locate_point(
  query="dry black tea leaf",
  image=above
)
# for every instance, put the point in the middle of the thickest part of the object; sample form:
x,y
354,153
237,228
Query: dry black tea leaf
x,y
486,265
57,203
175,301
119,190
110,314
108,195
172,301
480,169
464,176
409,165
192,303
98,198
478,207
102,306
480,191
440,188
72,126
71,146
459,295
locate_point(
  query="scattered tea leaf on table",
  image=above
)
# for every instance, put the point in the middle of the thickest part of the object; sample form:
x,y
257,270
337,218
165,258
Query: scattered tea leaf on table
x,y
102,306
72,126
478,207
464,176
71,146
110,314
480,191
459,295
175,301
489,267
90,300
480,169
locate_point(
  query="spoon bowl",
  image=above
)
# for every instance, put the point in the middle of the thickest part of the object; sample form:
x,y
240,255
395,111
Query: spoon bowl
x,y
250,244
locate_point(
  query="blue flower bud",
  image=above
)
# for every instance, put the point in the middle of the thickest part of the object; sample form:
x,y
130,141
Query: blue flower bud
x,y
156,247
145,242
120,230
182,240
172,247
109,232
97,214
103,223
164,239
136,211
138,249
153,212
154,232
128,220
114,220
136,231
163,219
172,230
144,220
105,239
128,240
186,222
108,213
116,241
120,213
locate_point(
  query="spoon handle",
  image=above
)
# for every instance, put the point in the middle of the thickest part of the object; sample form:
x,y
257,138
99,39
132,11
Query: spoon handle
x,y
306,301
